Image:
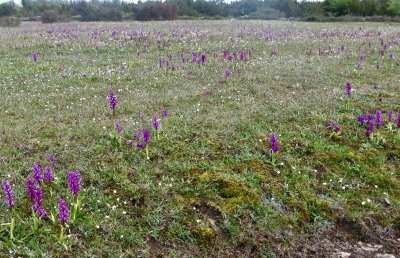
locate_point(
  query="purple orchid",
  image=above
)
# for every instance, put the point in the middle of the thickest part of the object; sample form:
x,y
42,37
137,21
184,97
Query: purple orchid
x,y
8,194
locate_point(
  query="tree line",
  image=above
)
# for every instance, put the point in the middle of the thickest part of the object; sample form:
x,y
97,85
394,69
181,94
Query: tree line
x,y
116,10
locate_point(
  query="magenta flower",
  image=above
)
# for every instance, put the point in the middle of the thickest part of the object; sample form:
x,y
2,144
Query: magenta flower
x,y
142,138
227,72
348,88
371,126
146,136
42,212
165,112
52,159
118,127
113,101
378,117
370,117
242,56
30,188
203,59
37,172
8,194
361,119
39,196
398,120
194,57
48,174
274,143
156,122
333,126
38,205
63,214
390,115
34,55
74,183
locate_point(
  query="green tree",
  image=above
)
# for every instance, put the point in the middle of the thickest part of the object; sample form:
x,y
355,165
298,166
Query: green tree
x,y
394,7
8,9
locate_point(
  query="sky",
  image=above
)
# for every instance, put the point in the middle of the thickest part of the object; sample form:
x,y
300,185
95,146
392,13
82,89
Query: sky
x,y
130,1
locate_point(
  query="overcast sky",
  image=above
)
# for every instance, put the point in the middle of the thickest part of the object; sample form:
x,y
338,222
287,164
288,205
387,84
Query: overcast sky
x,y
135,1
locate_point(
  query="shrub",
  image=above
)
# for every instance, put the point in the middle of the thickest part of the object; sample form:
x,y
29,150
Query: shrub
x,y
264,14
8,9
156,11
50,16
9,22
99,11
311,19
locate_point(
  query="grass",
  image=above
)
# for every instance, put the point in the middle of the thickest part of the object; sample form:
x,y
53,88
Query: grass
x,y
209,187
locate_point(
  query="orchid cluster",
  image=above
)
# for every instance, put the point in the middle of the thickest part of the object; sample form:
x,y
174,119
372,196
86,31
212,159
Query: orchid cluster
x,y
36,185
242,55
373,121
142,136
334,128
141,140
273,52
162,62
197,57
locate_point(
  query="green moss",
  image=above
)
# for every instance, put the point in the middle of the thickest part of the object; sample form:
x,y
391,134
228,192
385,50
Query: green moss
x,y
203,233
205,177
231,194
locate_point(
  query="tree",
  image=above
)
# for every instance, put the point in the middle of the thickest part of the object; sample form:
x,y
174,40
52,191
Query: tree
x,y
394,7
8,9
289,7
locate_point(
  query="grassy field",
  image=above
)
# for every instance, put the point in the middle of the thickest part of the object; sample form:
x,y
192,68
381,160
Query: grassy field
x,y
211,185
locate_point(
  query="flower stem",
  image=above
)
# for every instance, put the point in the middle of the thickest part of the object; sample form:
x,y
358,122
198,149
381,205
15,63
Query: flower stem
x,y
12,228
75,208
35,221
61,233
347,104
272,158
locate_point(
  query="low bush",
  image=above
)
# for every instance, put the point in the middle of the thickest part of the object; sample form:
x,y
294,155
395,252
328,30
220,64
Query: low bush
x,y
9,22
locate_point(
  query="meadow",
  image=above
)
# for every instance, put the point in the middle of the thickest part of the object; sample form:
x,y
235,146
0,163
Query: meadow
x,y
168,128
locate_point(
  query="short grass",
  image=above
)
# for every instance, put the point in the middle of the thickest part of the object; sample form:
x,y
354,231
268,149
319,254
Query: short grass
x,y
208,188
